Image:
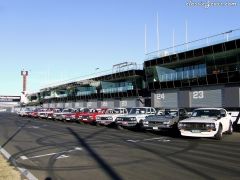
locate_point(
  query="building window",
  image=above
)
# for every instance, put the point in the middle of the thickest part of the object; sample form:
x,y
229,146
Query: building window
x,y
165,74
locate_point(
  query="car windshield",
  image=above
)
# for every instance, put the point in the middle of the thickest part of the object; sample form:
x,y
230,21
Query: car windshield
x,y
116,111
83,110
167,112
171,113
206,113
110,111
57,110
138,111
119,111
67,110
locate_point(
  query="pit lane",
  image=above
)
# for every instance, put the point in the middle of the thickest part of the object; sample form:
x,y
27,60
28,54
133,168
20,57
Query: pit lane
x,y
60,150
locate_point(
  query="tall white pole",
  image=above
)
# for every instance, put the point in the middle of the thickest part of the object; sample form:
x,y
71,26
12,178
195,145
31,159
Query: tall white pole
x,y
145,40
186,33
173,40
207,40
158,45
48,75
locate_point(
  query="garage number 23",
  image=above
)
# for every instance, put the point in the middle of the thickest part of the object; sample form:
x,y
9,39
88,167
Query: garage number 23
x,y
198,95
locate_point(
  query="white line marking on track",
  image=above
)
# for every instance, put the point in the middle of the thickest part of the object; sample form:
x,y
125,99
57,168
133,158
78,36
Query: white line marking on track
x,y
50,154
62,156
130,140
162,139
32,127
152,139
23,157
166,140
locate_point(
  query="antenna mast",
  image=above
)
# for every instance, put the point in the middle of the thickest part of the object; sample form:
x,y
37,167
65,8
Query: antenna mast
x,y
158,45
145,40
186,33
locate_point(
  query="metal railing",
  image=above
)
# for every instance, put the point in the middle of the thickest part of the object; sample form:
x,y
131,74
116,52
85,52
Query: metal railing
x,y
207,41
94,75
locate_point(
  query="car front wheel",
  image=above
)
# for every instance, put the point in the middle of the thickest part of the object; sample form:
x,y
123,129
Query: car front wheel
x,y
230,129
218,136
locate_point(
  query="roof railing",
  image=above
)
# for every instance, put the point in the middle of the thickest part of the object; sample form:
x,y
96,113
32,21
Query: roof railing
x,y
207,41
121,67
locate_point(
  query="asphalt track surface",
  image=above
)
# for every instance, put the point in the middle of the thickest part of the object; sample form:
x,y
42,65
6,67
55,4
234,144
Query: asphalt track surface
x,y
56,150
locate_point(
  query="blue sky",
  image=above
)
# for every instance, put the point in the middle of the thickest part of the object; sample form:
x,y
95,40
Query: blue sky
x,y
63,39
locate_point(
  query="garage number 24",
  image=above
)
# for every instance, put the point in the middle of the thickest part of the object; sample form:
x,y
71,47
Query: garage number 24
x,y
161,96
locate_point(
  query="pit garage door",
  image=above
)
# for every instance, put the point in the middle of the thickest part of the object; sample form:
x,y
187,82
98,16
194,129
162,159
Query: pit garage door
x,y
92,104
69,105
165,99
52,105
45,105
128,103
206,97
231,98
60,105
106,104
80,104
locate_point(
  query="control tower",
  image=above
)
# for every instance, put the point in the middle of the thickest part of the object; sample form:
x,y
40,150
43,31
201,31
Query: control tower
x,y
24,74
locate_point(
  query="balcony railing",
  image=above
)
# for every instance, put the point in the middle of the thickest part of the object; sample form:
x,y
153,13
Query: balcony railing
x,y
48,97
117,89
97,73
85,93
61,95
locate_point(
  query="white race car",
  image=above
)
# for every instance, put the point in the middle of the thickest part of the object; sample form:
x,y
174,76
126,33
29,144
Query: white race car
x,y
110,116
25,112
207,122
135,117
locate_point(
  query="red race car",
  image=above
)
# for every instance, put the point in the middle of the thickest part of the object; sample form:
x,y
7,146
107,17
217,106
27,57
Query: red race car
x,y
90,117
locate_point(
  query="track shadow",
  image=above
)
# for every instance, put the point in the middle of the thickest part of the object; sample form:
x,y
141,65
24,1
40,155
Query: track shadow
x,y
17,131
108,169
182,165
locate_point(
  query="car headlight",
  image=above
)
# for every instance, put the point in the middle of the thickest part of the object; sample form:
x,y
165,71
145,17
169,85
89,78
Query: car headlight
x,y
145,122
166,122
210,125
119,119
110,118
98,118
133,119
80,116
182,125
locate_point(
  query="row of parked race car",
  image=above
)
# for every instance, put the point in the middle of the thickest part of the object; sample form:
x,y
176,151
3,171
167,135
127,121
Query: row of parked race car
x,y
202,122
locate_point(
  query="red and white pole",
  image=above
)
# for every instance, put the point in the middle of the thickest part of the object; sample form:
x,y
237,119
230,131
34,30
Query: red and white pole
x,y
24,74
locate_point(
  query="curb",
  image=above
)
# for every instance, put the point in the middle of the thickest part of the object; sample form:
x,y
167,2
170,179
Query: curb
x,y
23,171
